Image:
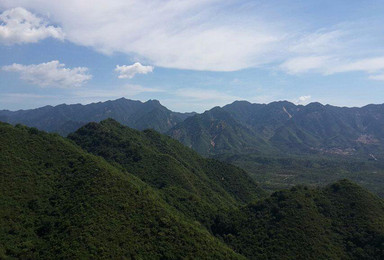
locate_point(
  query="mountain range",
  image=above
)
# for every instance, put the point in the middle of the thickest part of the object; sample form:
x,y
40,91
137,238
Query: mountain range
x,y
109,191
240,127
285,127
64,119
279,144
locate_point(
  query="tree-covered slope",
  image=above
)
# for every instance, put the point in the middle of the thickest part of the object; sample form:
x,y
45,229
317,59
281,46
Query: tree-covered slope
x,y
276,172
341,221
217,132
314,144
283,127
315,127
196,186
58,201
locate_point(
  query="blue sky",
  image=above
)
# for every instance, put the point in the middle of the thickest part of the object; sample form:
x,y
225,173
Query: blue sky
x,y
191,55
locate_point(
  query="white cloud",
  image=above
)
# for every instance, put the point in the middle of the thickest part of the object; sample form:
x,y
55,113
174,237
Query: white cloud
x,y
198,35
304,99
371,65
18,26
305,64
320,42
377,77
129,71
210,35
337,50
51,74
326,65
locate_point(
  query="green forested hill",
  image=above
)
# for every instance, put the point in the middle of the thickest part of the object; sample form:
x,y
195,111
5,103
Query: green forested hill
x,y
279,144
58,201
341,221
196,186
153,198
217,132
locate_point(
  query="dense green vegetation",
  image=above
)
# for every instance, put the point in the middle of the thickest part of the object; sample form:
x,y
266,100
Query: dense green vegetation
x,y
152,198
282,127
281,144
58,201
341,221
217,132
275,172
198,187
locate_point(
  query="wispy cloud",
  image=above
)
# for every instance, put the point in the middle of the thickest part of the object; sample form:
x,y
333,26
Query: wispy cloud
x,y
129,71
377,77
373,67
320,42
197,35
306,64
338,50
208,35
51,74
18,26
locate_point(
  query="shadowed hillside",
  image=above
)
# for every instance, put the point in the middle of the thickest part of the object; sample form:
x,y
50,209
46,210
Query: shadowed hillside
x,y
150,196
196,186
58,201
341,221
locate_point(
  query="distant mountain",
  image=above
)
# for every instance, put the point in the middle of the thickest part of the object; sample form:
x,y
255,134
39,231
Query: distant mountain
x,y
64,119
285,127
198,187
240,127
281,144
217,131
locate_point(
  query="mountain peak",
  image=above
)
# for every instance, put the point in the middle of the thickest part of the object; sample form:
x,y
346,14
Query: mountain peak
x,y
315,104
281,103
153,101
240,102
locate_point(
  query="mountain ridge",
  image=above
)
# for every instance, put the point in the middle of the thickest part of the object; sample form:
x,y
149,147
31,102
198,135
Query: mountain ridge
x,y
65,119
279,144
204,185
